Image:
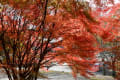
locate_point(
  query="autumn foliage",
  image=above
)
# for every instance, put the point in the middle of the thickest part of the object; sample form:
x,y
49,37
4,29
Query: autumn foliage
x,y
34,33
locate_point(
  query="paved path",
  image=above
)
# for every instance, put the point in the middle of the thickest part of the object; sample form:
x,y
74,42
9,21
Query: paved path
x,y
67,76
63,68
57,76
62,73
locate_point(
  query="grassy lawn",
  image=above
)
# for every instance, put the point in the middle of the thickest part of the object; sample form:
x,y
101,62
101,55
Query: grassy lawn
x,y
101,77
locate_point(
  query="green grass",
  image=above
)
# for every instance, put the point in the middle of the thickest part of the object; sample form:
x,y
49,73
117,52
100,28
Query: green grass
x,y
94,78
42,71
102,78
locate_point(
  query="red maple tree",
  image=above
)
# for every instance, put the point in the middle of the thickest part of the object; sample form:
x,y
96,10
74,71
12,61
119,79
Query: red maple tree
x,y
28,28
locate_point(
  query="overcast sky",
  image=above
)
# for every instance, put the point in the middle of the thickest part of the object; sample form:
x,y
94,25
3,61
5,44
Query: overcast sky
x,y
117,1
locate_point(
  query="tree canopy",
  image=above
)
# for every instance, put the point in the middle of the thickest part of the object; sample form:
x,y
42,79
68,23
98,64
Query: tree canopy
x,y
34,33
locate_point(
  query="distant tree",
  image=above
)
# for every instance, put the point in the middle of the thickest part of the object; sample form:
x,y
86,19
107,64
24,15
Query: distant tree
x,y
111,38
31,31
